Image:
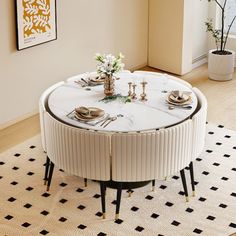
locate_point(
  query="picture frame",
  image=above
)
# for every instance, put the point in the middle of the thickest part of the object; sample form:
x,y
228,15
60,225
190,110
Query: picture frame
x,y
36,22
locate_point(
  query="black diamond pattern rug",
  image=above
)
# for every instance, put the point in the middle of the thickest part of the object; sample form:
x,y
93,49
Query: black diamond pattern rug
x,y
69,208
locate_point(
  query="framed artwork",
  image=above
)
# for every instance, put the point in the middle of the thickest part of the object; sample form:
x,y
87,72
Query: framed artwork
x,y
36,22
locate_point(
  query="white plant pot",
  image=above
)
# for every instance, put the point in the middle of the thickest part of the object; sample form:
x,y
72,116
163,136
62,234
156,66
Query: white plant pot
x,y
221,67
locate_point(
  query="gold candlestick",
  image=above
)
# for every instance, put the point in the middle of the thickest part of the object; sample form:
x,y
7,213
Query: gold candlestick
x,y
143,94
133,96
130,89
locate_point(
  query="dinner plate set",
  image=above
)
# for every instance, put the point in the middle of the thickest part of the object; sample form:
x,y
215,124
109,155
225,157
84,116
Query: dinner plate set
x,y
92,80
179,98
88,113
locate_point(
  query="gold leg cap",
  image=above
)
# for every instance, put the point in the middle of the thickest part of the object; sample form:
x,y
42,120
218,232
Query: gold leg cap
x,y
153,188
117,217
48,188
85,183
187,199
45,182
165,178
104,215
130,194
194,194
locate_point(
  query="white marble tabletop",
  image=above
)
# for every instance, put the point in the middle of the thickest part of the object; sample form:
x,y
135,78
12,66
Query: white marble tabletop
x,y
134,116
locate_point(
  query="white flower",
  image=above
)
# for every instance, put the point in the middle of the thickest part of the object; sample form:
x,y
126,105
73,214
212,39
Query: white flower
x,y
109,64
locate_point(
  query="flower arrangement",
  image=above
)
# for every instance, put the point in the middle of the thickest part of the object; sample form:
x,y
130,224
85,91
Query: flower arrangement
x,y
109,64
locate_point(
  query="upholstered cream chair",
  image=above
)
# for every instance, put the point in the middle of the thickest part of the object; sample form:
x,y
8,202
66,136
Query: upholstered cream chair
x,y
151,155
76,77
140,72
42,110
199,131
78,151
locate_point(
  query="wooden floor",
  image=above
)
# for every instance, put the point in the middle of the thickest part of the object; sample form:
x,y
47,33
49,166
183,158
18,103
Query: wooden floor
x,y
221,98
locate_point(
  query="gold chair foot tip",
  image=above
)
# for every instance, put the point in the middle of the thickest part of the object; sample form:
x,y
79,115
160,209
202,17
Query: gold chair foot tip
x,y
117,217
153,189
187,199
103,215
48,188
194,193
130,194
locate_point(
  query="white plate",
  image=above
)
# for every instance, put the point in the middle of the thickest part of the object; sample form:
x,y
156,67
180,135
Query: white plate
x,y
173,98
179,104
82,118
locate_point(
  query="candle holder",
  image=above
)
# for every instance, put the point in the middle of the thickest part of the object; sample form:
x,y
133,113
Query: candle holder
x,y
133,96
130,89
143,95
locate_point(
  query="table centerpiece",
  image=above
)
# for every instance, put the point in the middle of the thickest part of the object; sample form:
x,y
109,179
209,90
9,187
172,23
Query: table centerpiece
x,y
107,66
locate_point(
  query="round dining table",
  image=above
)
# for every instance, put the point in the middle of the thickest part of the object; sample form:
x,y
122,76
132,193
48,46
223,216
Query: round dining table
x,y
134,142
134,116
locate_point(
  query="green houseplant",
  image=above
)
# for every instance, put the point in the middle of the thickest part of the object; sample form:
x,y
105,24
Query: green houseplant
x,y
221,59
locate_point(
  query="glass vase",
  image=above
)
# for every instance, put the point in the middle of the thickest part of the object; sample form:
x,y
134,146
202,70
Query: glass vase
x,y
109,85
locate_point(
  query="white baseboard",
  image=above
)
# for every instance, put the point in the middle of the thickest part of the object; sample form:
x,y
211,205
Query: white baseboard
x,y
199,61
202,60
18,119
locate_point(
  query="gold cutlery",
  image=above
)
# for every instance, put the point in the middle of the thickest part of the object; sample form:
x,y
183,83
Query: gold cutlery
x,y
110,120
108,117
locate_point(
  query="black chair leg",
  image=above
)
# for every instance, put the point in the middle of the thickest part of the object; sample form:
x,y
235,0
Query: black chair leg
x,y
118,200
192,177
46,170
103,200
184,184
153,184
51,168
85,182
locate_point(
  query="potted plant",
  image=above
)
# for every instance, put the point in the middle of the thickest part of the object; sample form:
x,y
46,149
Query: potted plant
x,y
220,60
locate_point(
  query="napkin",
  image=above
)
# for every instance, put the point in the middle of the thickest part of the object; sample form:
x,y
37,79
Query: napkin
x,y
180,94
81,114
178,97
88,113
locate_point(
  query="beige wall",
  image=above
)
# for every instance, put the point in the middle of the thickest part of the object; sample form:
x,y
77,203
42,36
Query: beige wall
x,y
84,28
170,35
200,15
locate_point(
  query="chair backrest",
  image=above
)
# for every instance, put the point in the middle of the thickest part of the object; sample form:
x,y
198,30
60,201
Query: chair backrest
x,y
199,124
77,77
151,155
73,78
141,72
77,151
42,109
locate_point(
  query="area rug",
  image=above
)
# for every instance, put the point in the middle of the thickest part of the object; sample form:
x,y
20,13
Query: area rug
x,y
70,209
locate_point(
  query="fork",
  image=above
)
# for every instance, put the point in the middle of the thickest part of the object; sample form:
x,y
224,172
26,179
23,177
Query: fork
x,y
110,120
